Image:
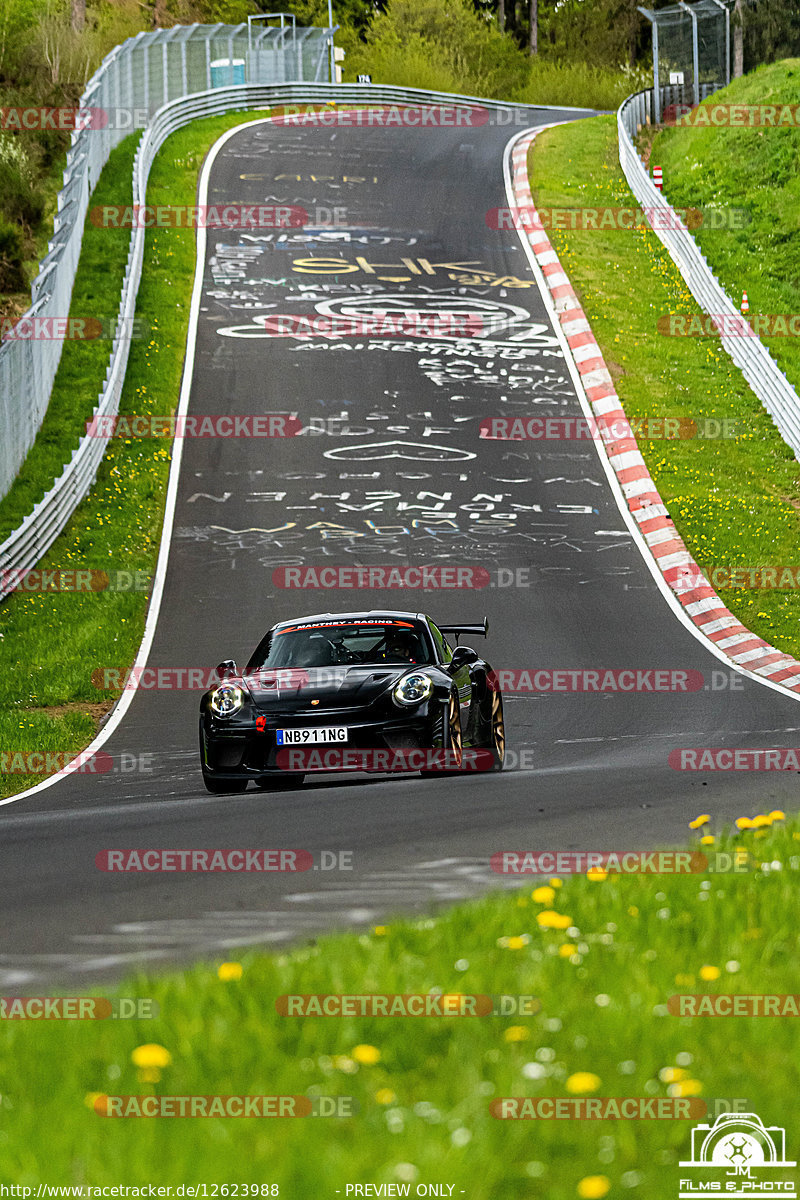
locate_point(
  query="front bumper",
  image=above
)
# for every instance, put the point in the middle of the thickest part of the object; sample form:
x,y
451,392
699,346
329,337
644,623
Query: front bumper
x,y
235,750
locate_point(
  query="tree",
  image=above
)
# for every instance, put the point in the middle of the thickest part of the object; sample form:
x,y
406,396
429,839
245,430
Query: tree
x,y
738,39
533,43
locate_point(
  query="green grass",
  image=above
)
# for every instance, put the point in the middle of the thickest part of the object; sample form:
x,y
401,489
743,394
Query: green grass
x,y
759,170
423,1085
51,643
82,368
734,501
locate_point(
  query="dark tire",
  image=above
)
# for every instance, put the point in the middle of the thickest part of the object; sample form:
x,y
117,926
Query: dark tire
x,y
497,730
454,747
223,787
280,783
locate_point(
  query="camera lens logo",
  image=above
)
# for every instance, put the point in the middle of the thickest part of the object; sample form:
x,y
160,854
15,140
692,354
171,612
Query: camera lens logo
x,y
738,1150
738,1147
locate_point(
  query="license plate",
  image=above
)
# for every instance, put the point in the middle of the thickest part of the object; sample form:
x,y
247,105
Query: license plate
x,y
322,735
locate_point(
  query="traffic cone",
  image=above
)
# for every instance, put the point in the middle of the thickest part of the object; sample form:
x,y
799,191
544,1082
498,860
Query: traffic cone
x,y
745,306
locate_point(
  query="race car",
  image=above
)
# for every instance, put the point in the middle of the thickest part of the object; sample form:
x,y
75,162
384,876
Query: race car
x,y
364,691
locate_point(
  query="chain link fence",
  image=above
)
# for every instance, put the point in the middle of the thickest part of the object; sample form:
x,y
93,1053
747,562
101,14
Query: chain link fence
x,y
133,82
691,50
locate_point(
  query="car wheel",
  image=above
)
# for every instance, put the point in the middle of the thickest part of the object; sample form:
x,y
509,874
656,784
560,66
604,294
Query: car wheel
x,y
280,783
453,741
223,787
497,745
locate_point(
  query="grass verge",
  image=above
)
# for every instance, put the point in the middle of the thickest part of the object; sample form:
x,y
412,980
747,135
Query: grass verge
x,y
602,955
734,500
757,169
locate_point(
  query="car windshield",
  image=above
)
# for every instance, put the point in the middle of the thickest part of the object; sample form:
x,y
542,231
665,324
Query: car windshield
x,y
344,643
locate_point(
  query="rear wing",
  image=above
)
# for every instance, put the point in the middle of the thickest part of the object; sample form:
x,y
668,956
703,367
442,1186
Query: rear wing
x,y
481,630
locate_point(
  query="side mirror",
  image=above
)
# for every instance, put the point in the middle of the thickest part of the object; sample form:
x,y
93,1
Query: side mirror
x,y
462,656
227,669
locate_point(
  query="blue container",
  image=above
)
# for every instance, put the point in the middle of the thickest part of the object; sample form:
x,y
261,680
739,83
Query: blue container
x,y
227,71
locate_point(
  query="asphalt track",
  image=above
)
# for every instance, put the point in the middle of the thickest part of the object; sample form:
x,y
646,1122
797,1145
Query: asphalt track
x,y
595,770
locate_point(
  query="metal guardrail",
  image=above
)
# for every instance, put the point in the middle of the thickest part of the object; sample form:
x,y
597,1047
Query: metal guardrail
x,y
27,544
748,353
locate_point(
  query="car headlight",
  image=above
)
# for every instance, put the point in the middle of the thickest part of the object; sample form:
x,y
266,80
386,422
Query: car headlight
x,y
413,688
224,701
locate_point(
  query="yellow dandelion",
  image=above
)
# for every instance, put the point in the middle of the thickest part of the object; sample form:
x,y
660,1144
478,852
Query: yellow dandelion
x,y
385,1096
556,883
582,1082
381,930
709,973
229,970
672,1074
553,920
633,911
512,943
743,823
543,895
700,821
777,815
567,950
151,1055
686,1087
708,840
596,876
366,1055
516,1033
593,1187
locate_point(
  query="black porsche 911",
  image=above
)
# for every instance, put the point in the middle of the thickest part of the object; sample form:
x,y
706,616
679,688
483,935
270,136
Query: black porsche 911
x,y
366,691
